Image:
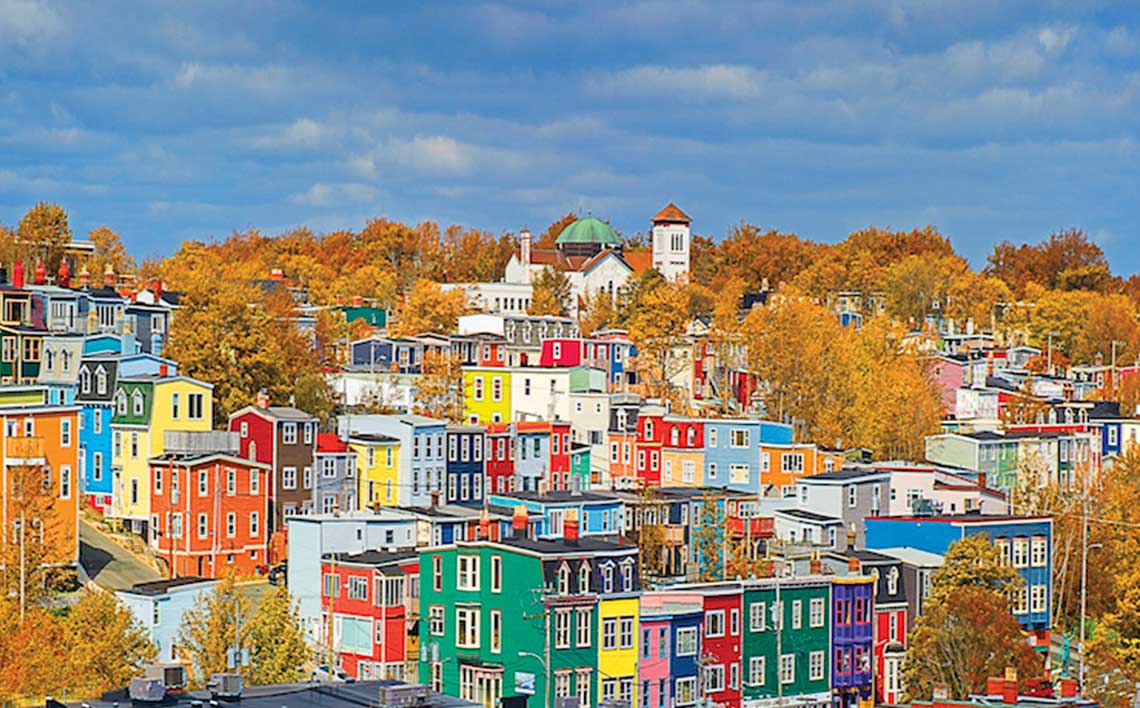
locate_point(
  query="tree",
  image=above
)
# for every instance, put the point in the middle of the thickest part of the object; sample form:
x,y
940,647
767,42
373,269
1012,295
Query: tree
x,y
597,313
44,231
439,393
109,251
1067,260
973,562
948,646
551,293
547,238
650,536
657,328
108,645
428,308
726,339
31,662
31,502
709,540
211,627
920,285
278,651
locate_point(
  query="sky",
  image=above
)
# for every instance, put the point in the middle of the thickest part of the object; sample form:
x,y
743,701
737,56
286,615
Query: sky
x,y
174,121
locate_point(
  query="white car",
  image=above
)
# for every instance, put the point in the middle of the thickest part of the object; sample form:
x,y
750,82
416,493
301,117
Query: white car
x,y
321,673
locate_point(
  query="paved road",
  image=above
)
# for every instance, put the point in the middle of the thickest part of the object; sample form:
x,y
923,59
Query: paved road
x,y
108,564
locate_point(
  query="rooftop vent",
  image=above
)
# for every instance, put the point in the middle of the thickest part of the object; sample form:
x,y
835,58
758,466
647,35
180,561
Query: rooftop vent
x,y
226,687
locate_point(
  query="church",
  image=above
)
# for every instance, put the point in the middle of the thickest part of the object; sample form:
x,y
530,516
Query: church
x,y
595,260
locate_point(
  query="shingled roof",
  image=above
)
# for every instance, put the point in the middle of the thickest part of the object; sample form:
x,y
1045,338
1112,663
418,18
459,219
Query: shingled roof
x,y
673,214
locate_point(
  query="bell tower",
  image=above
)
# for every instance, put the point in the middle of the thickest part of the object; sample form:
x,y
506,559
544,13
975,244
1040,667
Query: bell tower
x,y
671,243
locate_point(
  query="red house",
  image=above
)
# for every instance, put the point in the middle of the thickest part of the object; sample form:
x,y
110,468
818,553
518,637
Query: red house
x,y
650,440
373,599
210,509
499,462
721,646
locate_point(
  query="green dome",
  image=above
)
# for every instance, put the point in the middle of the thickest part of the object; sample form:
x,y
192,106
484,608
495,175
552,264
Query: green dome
x,y
588,230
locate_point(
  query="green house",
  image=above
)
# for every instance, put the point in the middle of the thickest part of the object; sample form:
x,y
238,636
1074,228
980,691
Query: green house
x,y
489,609
580,476
800,664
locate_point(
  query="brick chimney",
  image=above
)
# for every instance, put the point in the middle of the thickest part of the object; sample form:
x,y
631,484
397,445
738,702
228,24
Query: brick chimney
x,y
435,498
262,400
39,276
519,522
853,565
18,274
815,565
357,301
277,274
484,525
570,527
63,278
156,288
84,278
524,246
109,279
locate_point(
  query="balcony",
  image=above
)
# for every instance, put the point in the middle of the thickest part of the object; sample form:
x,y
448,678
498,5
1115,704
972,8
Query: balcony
x,y
674,535
757,527
24,451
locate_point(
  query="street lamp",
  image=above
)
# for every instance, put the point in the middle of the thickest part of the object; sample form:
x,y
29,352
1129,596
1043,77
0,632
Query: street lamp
x,y
545,673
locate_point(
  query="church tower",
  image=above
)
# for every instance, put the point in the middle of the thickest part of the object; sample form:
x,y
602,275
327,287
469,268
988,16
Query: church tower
x,y
671,243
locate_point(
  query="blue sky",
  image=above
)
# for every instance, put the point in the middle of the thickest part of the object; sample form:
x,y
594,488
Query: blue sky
x,y
169,121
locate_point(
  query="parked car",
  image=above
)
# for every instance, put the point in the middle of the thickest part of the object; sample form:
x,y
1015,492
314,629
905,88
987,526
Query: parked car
x,y
278,575
321,673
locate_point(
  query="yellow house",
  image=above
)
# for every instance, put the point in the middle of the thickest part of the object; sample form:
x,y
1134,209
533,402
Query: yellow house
x,y
617,651
486,394
682,467
378,465
144,410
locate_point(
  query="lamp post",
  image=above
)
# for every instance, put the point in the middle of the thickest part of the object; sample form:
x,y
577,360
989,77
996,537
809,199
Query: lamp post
x,y
545,672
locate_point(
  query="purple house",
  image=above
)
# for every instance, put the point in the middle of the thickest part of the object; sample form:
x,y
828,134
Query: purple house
x,y
852,639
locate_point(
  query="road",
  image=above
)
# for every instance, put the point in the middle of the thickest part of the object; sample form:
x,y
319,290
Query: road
x,y
108,563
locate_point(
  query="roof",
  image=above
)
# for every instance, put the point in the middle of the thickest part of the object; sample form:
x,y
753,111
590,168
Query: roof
x,y
376,558
912,556
197,457
589,230
160,587
559,496
553,546
372,438
294,695
640,259
330,443
672,213
278,412
805,515
845,474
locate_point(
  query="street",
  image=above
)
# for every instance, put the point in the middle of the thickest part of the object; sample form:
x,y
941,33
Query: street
x,y
108,563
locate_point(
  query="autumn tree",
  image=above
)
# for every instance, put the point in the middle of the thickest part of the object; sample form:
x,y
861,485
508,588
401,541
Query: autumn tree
x,y
1067,260
709,540
550,293
215,625
35,530
657,328
920,285
429,308
758,258
31,661
109,251
439,390
597,313
108,645
726,339
652,512
547,238
45,232
278,651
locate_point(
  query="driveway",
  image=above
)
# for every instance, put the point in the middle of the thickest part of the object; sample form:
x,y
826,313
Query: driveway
x,y
109,564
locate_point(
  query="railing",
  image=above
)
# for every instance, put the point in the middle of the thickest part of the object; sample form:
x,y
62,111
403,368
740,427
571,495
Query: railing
x,y
758,527
674,535
23,448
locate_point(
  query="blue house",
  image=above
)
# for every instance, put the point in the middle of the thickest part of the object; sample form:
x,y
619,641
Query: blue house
x,y
732,452
1025,542
158,607
465,445
404,356
599,513
532,464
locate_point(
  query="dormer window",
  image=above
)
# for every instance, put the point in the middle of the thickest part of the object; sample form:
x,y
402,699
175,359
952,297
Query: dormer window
x,y
85,380
627,575
608,578
101,382
65,360
121,403
137,402
893,581
49,360
564,580
584,579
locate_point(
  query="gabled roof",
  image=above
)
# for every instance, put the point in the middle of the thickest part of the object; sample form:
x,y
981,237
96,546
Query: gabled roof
x,y
274,413
673,214
330,443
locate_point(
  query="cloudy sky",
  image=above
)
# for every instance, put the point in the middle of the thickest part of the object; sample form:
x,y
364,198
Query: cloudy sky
x,y
990,120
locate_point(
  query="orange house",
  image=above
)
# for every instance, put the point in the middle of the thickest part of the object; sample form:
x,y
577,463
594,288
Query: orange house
x,y
783,465
41,445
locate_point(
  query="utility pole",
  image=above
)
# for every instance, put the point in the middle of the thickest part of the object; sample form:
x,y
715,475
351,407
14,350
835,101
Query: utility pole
x,y
332,610
23,567
778,618
1049,355
1084,571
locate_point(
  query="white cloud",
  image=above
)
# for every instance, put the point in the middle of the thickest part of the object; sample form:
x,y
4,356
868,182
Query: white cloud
x,y
1055,39
301,133
28,20
437,154
717,81
323,194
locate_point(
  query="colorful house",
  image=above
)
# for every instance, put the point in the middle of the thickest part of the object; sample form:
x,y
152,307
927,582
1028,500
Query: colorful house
x,y
486,394
543,460
285,438
208,512
852,605
721,644
336,483
421,463
465,467
378,459
158,607
145,409
669,668
499,466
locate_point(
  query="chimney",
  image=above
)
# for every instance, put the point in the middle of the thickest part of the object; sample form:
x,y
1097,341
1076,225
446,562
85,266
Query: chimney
x,y
484,525
339,300
109,279
84,277
18,274
156,288
851,536
63,278
357,301
995,685
40,275
519,522
815,565
277,274
981,480
570,527
524,246
853,565
434,498
262,400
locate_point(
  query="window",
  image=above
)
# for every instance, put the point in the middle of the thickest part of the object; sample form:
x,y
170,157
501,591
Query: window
x,y
136,403
815,617
815,665
852,496
584,618
196,405
477,385
687,641
1003,550
175,400
792,462
332,587
609,633
307,479
626,575
308,433
562,628
328,468
289,433
467,627
608,579
893,581
65,482
437,573
714,623
626,632
756,669
97,422
97,466
435,620
714,678
253,483
289,478
582,686
231,481
734,622
65,433
1038,598
357,588
134,445
496,573
203,483
231,524
757,617
738,474
1039,554
686,691
497,388
254,524
609,689
787,668
1020,552
739,437
797,614
562,683
496,631
734,676
1021,602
